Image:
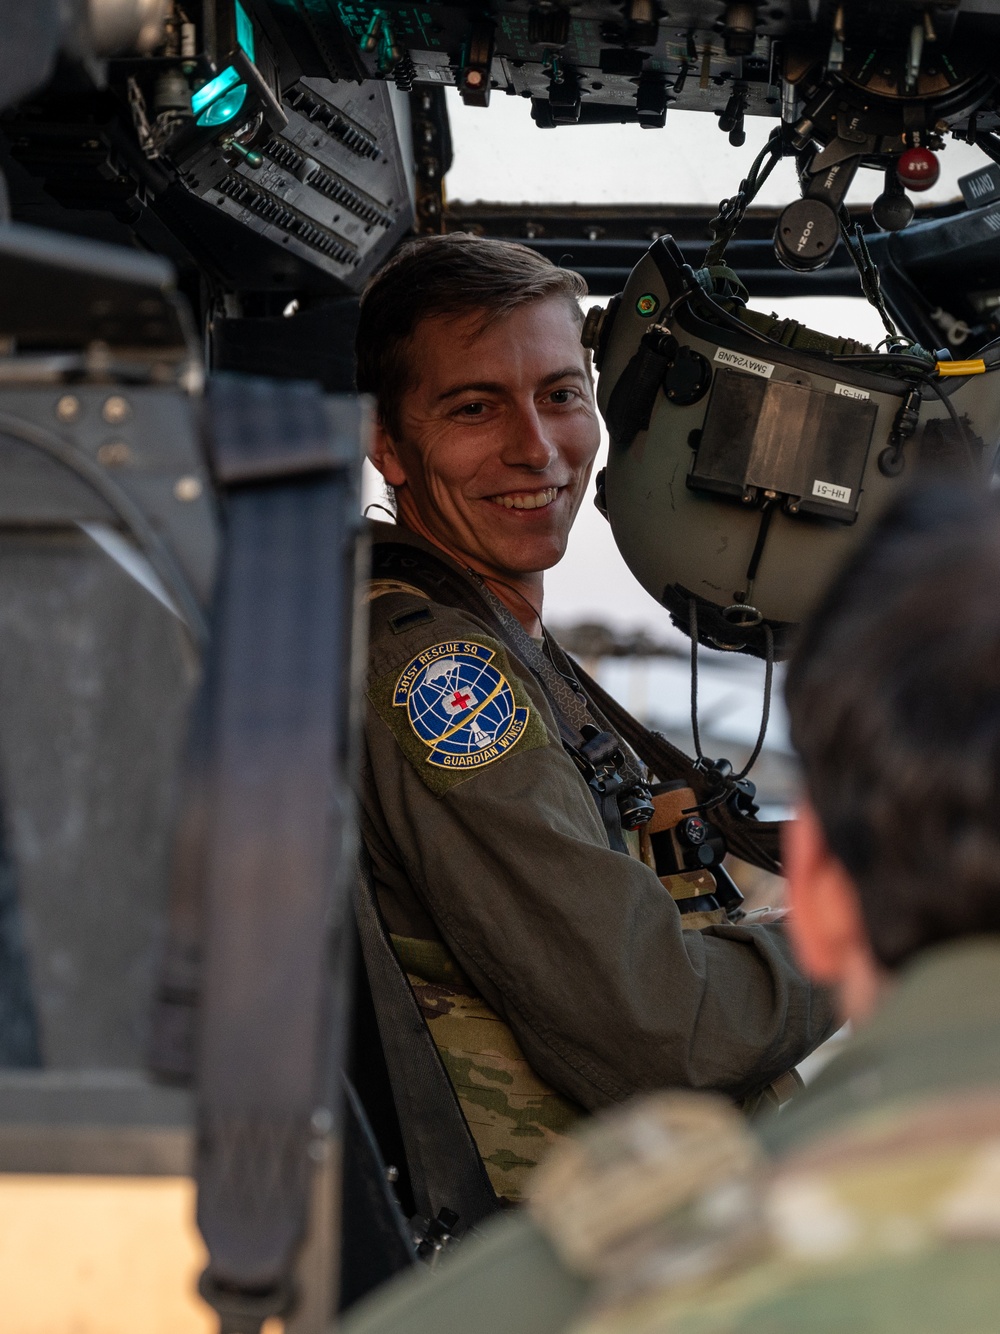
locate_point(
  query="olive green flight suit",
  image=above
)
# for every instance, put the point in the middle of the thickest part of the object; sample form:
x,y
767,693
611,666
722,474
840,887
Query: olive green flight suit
x,y
871,1204
515,920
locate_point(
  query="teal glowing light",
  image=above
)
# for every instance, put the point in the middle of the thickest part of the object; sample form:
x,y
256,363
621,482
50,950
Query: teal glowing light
x,y
219,85
244,30
219,100
225,107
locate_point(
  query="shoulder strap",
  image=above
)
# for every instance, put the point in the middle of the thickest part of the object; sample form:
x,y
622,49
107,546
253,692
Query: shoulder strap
x,y
279,712
429,574
446,1171
756,841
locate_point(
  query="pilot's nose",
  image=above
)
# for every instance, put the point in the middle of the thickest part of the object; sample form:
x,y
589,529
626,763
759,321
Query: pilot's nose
x,y
527,443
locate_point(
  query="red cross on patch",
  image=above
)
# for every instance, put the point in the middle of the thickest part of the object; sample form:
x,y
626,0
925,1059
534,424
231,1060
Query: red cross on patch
x,y
459,700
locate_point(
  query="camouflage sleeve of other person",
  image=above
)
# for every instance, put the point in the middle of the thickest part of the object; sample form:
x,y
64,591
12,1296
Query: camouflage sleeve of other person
x,y
483,835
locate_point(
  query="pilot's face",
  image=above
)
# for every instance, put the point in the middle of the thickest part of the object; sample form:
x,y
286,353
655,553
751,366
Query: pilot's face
x,y
497,437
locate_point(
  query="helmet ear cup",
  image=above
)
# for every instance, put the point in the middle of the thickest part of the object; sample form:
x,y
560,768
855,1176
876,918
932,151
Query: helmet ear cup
x,y
600,497
597,328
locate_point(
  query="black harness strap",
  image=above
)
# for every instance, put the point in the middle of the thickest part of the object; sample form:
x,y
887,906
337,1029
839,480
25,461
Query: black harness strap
x,y
756,841
446,1171
270,864
597,754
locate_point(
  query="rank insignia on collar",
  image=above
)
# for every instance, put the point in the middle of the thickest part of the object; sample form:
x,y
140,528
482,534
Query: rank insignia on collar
x,y
460,705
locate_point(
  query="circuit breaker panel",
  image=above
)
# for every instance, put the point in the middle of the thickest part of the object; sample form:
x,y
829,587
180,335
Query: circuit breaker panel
x,y
329,184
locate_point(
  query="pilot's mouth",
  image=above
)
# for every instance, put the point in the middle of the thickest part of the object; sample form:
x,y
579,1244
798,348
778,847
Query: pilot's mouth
x,y
526,500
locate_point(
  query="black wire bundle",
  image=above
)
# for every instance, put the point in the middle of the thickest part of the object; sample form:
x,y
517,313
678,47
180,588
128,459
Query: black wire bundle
x,y
732,211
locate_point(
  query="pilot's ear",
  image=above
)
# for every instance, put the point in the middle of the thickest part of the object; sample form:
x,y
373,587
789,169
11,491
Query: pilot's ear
x,y
826,925
384,454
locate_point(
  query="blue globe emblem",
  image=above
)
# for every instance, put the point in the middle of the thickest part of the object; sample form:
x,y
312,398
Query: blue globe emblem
x,y
460,705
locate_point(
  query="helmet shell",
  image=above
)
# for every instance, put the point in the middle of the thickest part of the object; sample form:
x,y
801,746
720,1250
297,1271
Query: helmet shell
x,y
681,542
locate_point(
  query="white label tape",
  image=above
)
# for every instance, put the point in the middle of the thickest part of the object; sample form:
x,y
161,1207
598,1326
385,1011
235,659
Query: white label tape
x,y
742,363
831,491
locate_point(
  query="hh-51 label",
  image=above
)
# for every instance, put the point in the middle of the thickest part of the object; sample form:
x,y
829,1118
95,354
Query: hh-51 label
x,y
831,491
742,363
848,391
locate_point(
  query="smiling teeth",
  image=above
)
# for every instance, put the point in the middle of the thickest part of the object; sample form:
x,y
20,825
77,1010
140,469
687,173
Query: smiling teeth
x,y
534,500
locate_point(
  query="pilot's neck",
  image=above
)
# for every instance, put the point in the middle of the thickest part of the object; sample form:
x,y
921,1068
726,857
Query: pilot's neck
x,y
522,596
520,593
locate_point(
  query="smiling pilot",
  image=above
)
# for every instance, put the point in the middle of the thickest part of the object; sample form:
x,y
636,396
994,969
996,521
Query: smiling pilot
x,y
549,962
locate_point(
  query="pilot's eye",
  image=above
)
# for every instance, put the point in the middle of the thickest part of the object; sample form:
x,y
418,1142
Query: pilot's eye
x,y
472,409
561,395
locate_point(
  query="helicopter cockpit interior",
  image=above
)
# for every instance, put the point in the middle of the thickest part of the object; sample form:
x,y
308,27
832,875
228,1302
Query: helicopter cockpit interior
x,y
193,194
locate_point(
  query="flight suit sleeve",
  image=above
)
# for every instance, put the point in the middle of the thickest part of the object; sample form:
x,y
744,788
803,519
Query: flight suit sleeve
x,y
579,948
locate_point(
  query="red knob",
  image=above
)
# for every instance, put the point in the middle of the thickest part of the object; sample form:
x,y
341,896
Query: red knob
x,y
918,169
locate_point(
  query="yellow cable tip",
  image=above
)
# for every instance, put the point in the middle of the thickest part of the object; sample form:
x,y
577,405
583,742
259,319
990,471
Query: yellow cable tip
x,y
975,367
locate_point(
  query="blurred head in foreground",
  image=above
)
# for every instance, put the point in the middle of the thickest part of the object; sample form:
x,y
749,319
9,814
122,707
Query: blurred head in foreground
x,y
894,697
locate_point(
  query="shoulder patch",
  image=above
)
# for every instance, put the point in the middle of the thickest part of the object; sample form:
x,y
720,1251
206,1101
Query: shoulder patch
x,y
456,708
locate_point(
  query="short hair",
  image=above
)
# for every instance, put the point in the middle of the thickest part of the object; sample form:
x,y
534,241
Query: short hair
x,y
894,697
456,274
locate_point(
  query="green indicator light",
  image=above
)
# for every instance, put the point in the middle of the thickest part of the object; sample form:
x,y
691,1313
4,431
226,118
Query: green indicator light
x,y
244,30
219,85
225,107
648,304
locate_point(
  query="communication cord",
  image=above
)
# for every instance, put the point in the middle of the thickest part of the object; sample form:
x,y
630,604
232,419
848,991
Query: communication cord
x,y
702,762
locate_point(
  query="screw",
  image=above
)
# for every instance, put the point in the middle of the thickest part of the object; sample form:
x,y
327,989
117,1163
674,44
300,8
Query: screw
x,y
68,408
114,455
115,409
187,488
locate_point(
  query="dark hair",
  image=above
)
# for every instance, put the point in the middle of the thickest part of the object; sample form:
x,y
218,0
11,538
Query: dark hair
x,y
894,696
445,275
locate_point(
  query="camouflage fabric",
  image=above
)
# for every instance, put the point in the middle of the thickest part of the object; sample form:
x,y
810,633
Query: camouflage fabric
x,y
691,885
892,1224
872,1205
880,1210
513,1115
